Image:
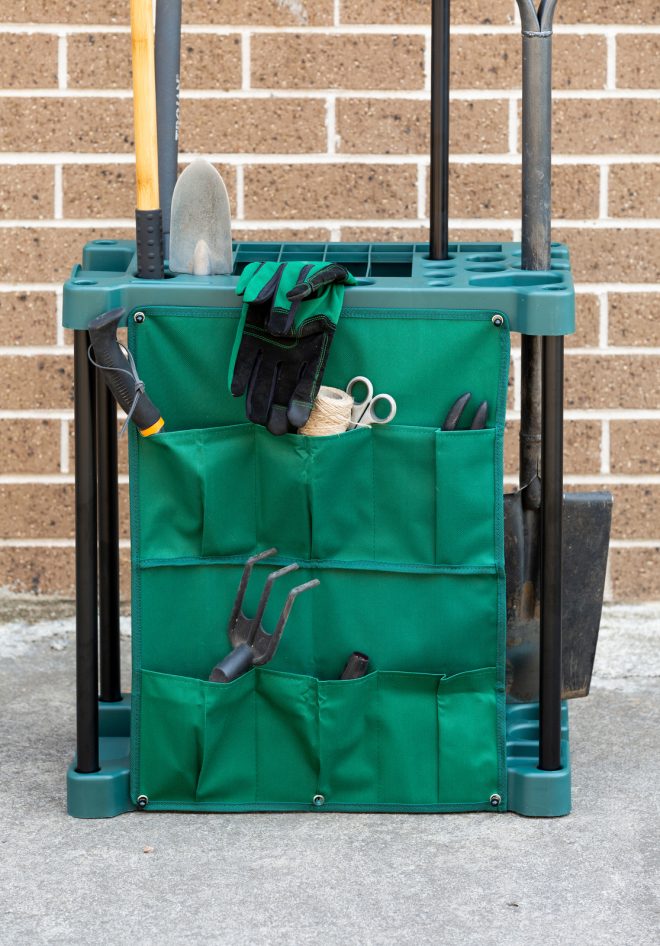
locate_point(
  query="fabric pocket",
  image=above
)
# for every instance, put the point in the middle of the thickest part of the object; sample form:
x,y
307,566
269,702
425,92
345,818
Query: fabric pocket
x,y
467,714
170,739
170,501
229,767
229,473
342,496
348,740
283,504
465,497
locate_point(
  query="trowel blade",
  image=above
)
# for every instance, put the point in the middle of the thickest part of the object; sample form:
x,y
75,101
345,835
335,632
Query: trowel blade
x,y
200,230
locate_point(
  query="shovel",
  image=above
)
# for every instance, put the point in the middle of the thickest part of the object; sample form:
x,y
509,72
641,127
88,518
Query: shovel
x,y
148,218
200,229
583,529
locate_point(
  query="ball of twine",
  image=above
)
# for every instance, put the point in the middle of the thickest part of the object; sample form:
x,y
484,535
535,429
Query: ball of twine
x,y
331,413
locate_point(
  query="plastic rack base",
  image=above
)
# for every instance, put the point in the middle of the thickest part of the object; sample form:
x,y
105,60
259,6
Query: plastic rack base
x,y
533,793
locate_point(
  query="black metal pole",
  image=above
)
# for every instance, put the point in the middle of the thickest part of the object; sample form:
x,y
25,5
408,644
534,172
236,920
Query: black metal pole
x,y
108,525
87,712
439,130
550,684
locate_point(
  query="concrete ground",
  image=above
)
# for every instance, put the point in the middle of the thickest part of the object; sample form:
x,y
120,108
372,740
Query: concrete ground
x,y
326,879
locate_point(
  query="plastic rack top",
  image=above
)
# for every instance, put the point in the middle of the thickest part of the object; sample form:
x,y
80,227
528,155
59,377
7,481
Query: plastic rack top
x,y
391,275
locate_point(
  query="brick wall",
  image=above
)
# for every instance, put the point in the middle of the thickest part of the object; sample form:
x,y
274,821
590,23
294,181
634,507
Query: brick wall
x,y
317,115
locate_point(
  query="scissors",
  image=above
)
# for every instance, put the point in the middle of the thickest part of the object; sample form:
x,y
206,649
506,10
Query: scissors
x,y
362,412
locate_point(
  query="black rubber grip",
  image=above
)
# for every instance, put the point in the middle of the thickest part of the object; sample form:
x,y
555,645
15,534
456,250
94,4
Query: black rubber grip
x,y
108,354
149,236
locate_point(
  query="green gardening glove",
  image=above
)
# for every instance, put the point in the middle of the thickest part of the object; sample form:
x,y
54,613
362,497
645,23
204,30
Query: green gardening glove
x,y
288,320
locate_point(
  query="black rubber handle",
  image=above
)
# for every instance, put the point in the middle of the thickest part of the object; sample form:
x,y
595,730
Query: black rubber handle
x,y
149,237
117,373
234,665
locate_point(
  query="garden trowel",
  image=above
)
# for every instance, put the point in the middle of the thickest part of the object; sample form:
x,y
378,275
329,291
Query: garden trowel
x,y
200,228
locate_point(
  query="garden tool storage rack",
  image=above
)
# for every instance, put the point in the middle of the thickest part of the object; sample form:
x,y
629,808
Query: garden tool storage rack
x,y
402,524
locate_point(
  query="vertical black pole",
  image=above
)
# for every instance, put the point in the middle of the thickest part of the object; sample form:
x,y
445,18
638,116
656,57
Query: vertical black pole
x,y
87,713
439,130
550,685
108,524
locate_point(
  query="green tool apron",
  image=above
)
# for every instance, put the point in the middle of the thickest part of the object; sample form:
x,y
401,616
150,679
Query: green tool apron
x,y
402,524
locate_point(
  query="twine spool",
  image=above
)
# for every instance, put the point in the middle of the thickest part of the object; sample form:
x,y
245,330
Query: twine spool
x,y
331,413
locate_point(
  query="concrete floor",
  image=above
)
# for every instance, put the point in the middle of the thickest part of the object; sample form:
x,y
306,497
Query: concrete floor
x,y
326,879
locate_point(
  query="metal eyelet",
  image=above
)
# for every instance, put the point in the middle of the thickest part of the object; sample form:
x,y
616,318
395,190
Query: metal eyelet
x,y
318,800
142,801
497,320
495,800
139,317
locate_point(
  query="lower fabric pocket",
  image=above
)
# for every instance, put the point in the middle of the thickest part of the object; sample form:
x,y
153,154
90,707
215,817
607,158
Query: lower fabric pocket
x,y
271,740
169,740
467,713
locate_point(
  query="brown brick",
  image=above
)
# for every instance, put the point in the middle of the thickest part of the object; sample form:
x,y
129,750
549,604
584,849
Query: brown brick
x,y
334,190
413,12
282,235
313,61
51,571
375,126
419,234
587,322
26,191
642,12
36,511
66,124
103,61
612,381
494,62
122,448
493,190
28,318
611,255
610,126
30,446
635,574
31,254
634,319
100,12
108,190
259,12
634,190
635,446
259,126
36,382
28,61
480,235
581,447
638,62
636,511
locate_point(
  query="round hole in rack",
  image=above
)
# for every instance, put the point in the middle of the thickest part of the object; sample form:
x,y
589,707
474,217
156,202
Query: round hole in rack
x,y
104,242
487,268
485,258
84,282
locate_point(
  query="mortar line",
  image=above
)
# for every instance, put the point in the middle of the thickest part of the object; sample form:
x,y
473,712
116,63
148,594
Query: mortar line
x,y
240,192
64,446
246,56
603,192
58,200
610,81
62,61
462,29
603,320
331,124
605,447
421,190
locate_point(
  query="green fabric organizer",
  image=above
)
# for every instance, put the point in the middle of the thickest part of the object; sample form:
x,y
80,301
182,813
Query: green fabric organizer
x,y
403,526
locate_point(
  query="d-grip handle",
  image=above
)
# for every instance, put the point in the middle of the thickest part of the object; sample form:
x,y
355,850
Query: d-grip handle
x,y
118,373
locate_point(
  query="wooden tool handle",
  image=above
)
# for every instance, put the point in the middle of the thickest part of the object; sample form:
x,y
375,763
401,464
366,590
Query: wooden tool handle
x,y
144,105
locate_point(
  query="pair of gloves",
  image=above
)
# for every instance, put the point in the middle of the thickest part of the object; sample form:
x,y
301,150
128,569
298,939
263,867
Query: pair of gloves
x,y
288,320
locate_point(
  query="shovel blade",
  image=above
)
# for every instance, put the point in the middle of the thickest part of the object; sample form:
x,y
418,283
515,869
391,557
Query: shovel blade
x,y
585,542
200,228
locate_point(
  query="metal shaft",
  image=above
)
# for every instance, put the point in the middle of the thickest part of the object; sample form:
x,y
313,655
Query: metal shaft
x,y
168,55
87,713
439,213
536,152
108,526
550,684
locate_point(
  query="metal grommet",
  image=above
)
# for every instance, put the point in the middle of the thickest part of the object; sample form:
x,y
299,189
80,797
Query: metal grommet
x,y
318,800
142,801
497,320
139,317
495,801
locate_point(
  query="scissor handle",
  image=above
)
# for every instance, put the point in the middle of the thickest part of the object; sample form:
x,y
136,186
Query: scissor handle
x,y
367,383
371,417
